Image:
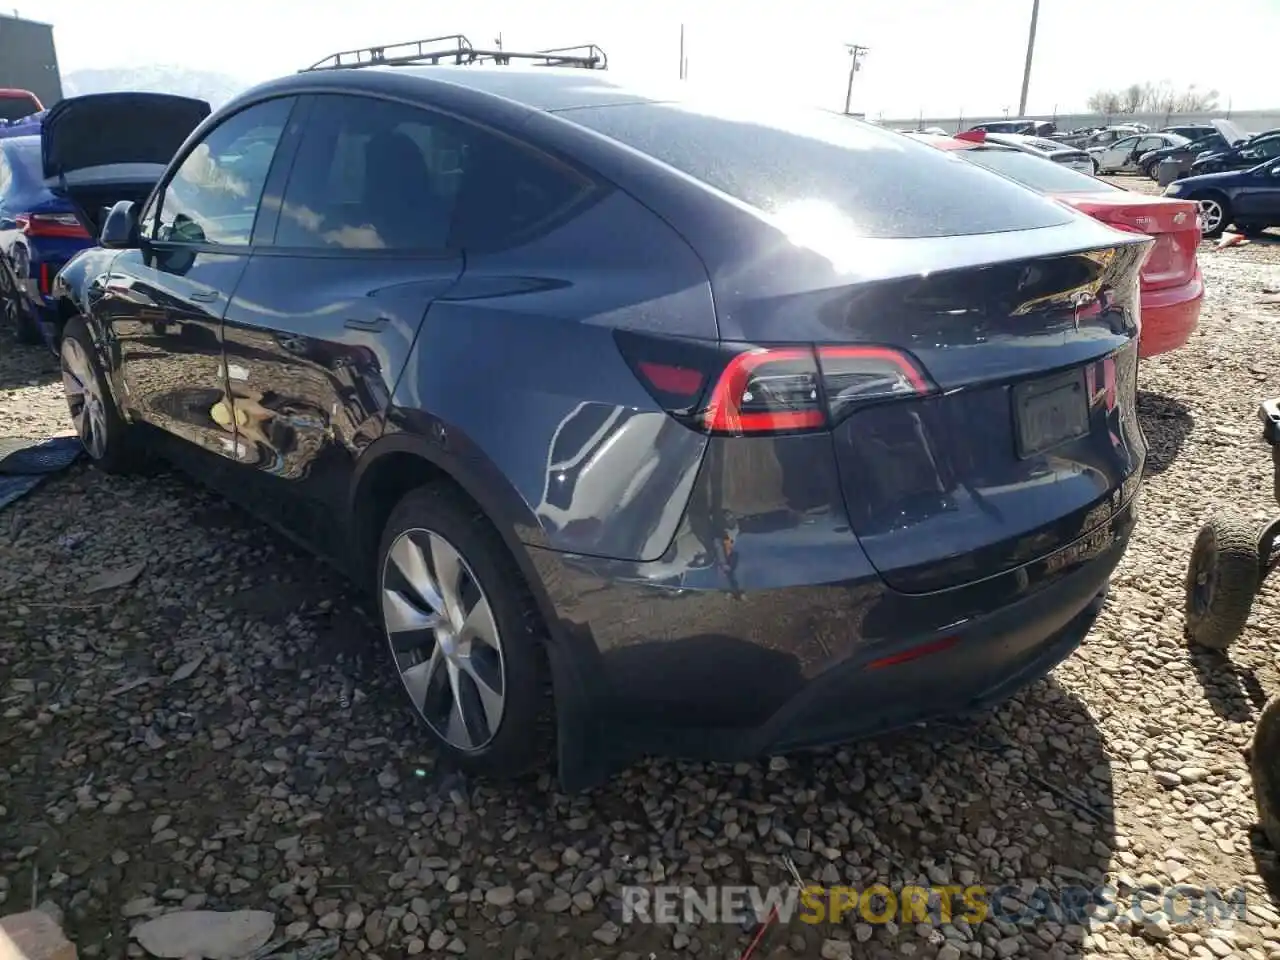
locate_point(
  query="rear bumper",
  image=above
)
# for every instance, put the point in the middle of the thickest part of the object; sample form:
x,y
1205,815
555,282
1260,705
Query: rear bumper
x,y
1170,316
717,675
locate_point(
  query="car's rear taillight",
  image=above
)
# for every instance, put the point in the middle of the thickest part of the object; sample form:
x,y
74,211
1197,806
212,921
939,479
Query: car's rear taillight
x,y
1171,259
743,389
51,225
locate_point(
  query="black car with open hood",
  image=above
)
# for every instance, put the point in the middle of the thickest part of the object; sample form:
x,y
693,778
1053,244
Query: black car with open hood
x,y
104,147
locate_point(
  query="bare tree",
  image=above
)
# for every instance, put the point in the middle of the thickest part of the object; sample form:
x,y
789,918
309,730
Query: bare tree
x,y
1192,100
1153,98
1131,98
1104,101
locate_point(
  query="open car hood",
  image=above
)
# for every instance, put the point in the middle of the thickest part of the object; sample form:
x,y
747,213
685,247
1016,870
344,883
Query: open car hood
x,y
106,129
1230,132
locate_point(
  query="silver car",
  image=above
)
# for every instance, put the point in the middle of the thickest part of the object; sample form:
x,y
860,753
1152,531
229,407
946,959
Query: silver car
x,y
1124,156
1072,157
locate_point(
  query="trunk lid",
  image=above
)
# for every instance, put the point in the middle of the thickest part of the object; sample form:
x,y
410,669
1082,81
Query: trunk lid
x,y
1030,440
1025,439
106,147
1173,224
111,129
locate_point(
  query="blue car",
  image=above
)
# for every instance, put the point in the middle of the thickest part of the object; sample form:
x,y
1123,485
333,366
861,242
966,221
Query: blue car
x,y
81,154
39,232
1248,198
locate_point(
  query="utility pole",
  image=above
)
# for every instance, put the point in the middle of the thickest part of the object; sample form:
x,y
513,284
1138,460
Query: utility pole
x,y
856,53
1031,48
682,61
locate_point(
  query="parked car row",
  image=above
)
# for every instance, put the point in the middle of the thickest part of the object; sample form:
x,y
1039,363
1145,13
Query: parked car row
x,y
697,426
1172,287
1230,174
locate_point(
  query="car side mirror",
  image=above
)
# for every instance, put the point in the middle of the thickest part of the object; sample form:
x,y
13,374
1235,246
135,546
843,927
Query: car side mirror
x,y
120,228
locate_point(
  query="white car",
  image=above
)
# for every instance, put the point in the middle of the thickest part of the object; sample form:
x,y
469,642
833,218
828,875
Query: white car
x,y
1123,156
1071,157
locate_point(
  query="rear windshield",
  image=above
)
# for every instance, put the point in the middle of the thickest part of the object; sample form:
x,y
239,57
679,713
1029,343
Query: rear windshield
x,y
886,185
1038,173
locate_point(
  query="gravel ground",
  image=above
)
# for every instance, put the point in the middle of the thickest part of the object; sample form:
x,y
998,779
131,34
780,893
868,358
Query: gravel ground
x,y
220,733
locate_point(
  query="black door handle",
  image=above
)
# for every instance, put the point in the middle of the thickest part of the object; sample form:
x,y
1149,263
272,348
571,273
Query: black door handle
x,y
205,296
368,325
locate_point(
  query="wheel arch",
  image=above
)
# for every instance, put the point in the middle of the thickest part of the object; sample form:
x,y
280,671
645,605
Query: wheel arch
x,y
399,462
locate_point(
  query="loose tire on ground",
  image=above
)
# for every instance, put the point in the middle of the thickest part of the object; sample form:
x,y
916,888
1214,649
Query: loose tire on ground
x,y
1264,769
1222,578
441,513
112,445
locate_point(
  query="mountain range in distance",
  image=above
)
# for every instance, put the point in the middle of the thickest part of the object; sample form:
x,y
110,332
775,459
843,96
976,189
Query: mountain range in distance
x,y
216,88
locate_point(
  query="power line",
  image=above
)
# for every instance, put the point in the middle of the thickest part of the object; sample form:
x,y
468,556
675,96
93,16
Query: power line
x,y
856,53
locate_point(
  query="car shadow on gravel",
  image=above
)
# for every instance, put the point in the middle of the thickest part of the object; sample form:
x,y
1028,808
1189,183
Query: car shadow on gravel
x,y
24,366
1018,802
1166,424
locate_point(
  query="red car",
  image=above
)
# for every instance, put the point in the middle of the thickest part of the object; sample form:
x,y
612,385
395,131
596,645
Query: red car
x,y
17,104
1172,286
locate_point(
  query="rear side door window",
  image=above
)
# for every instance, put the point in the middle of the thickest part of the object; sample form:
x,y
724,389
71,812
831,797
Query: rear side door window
x,y
373,175
376,175
213,196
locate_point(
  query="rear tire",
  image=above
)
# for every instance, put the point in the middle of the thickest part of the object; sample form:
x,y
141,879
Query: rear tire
x,y
1222,578
16,312
111,444
477,680
1152,171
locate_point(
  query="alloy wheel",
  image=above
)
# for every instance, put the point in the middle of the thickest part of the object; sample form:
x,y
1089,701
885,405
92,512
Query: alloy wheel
x,y
84,397
1210,215
444,639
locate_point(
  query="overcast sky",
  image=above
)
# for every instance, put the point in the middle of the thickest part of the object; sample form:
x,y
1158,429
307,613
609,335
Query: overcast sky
x,y
931,55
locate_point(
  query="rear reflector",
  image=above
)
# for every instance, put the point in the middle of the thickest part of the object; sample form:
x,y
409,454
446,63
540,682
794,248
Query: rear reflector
x,y
739,389
914,653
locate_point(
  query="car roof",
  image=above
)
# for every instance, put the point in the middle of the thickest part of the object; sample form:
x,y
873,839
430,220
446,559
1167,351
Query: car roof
x,y
1028,142
536,88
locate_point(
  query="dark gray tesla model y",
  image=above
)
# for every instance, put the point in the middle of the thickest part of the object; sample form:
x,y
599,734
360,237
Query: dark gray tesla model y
x,y
660,424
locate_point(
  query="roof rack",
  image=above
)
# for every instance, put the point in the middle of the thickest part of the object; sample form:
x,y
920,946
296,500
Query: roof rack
x,y
457,49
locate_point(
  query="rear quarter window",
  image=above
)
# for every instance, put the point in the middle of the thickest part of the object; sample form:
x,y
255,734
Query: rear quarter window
x,y
883,184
